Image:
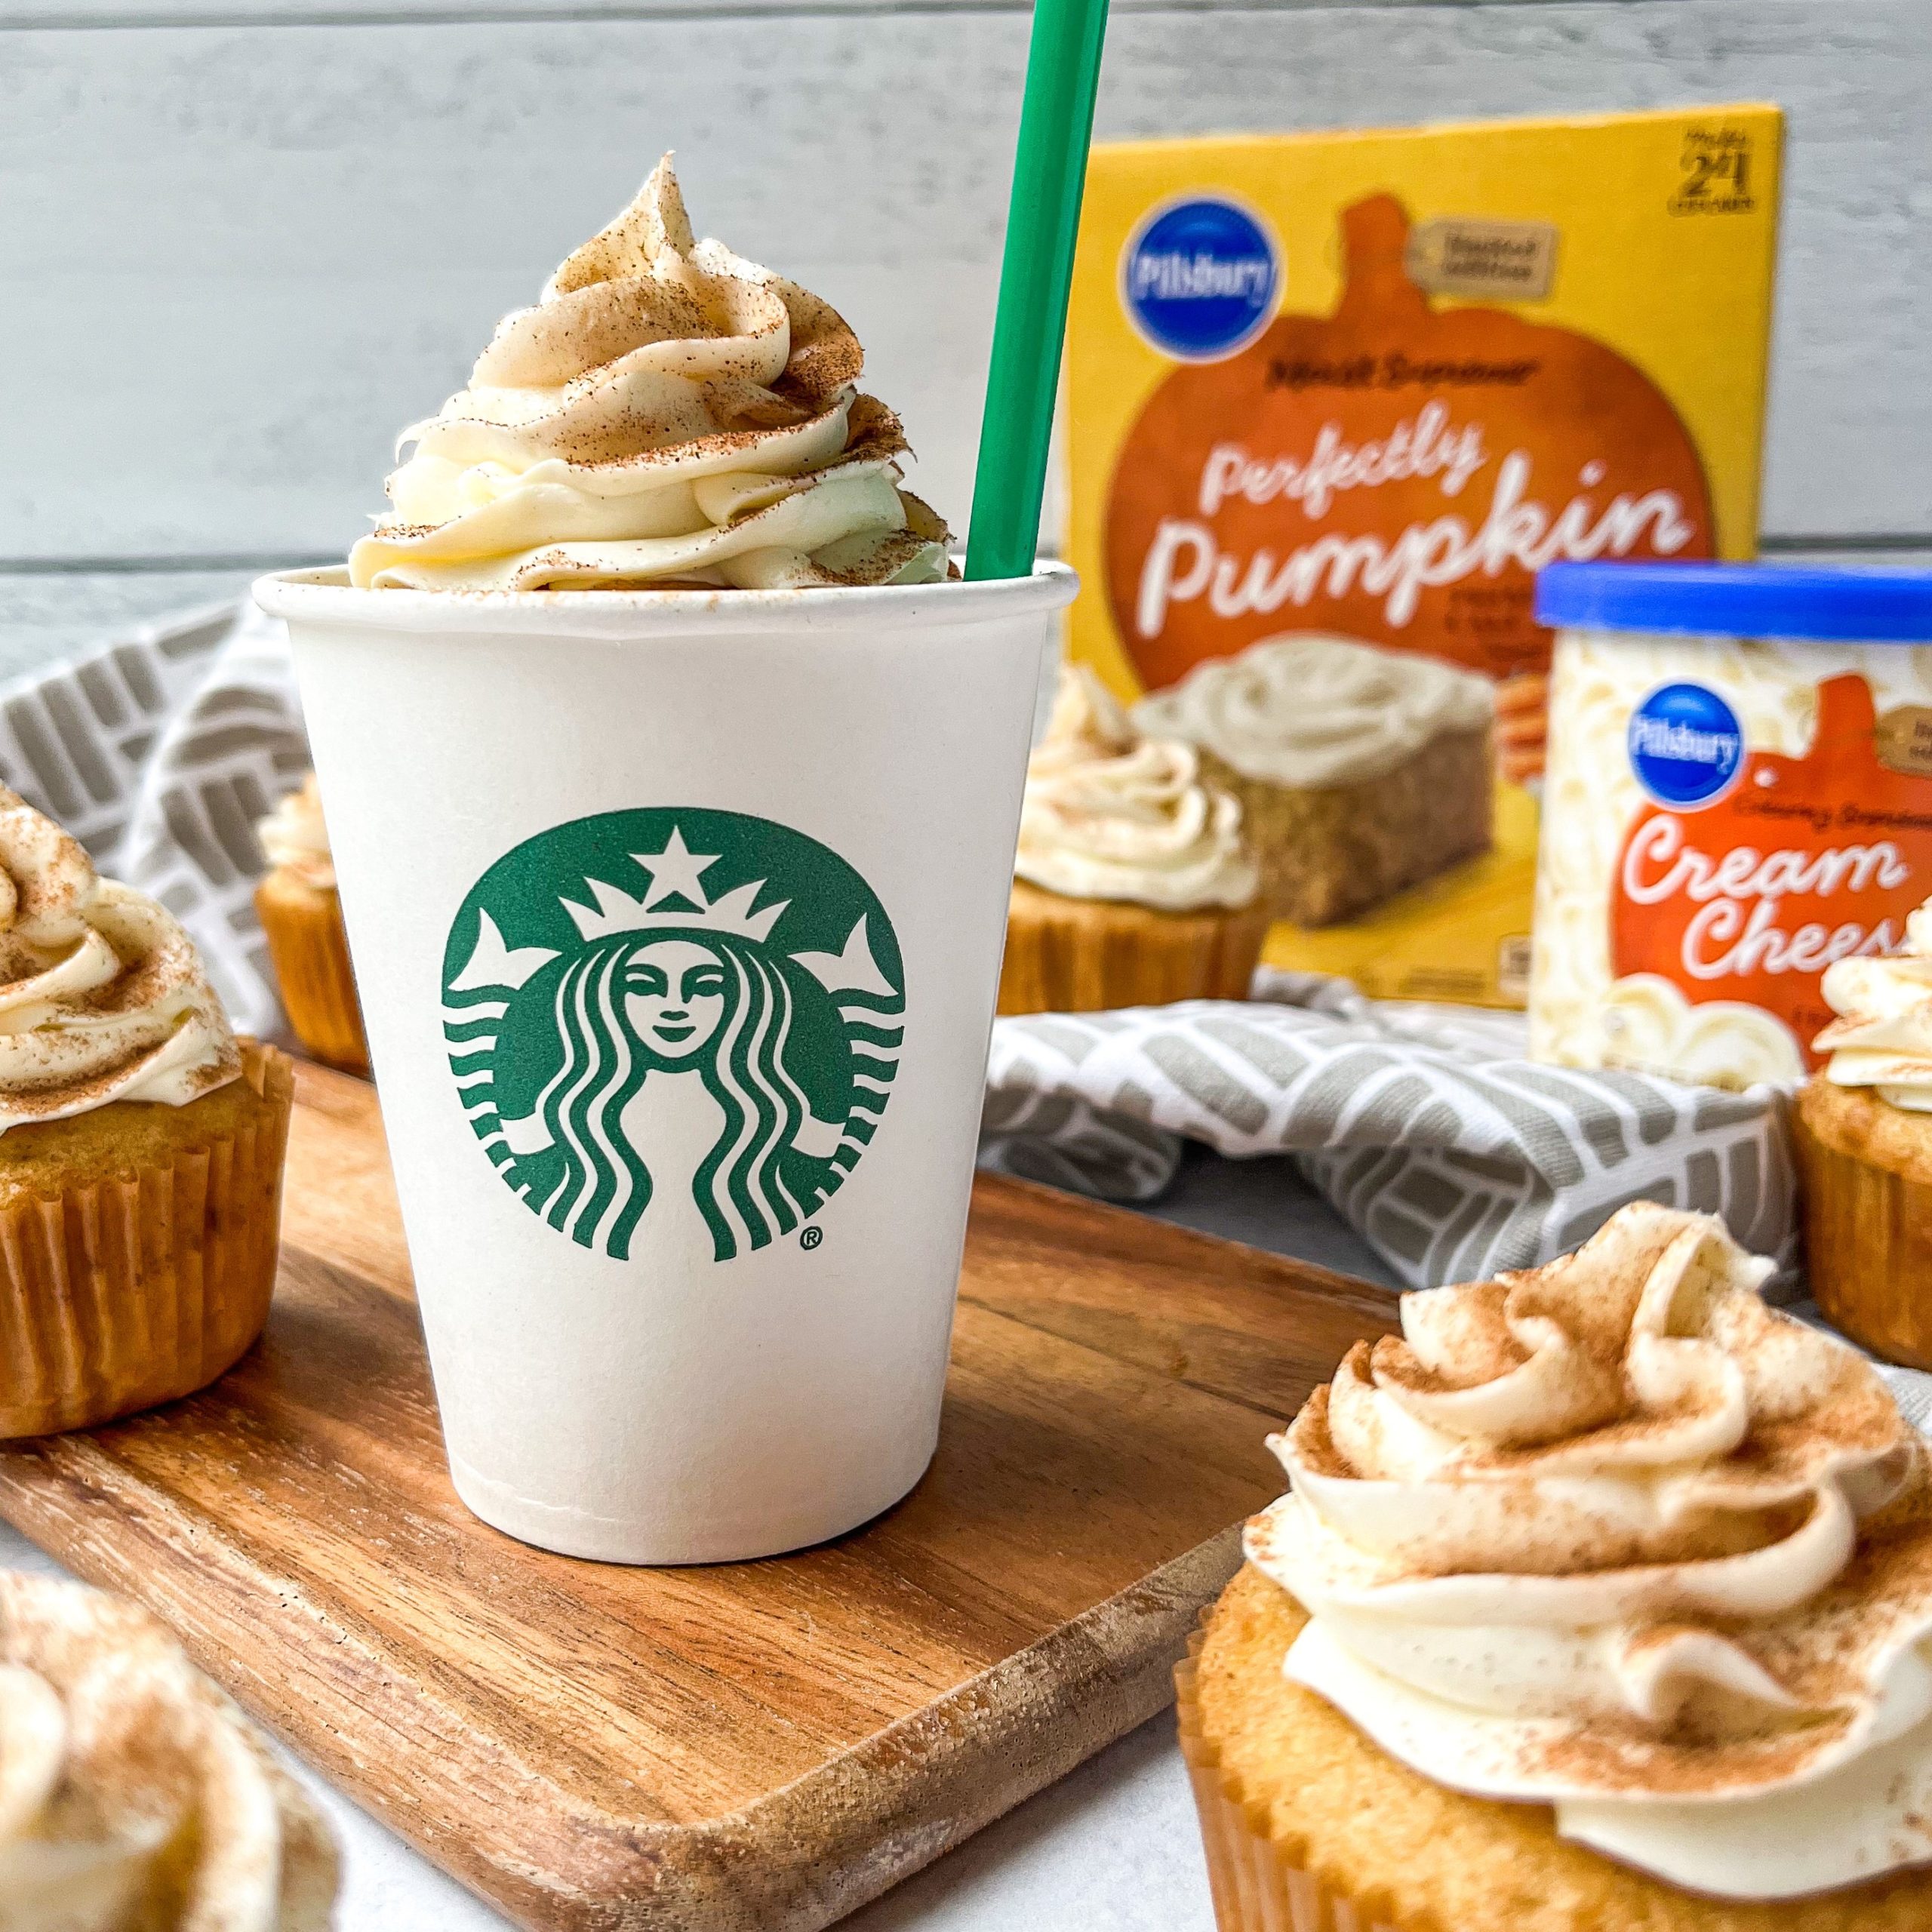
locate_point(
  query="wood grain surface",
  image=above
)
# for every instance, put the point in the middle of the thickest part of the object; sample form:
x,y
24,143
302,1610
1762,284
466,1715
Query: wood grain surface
x,y
762,1745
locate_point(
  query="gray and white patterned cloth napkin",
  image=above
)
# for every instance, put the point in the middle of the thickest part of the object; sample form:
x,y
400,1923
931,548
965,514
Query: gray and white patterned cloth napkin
x,y
1427,1127
159,751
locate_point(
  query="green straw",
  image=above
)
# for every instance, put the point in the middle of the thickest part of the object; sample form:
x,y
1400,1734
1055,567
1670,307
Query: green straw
x,y
1049,173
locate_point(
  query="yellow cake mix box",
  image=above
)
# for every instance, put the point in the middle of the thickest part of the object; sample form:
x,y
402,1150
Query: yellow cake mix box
x,y
1332,399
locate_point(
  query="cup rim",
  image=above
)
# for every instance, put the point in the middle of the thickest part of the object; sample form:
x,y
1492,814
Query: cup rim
x,y
323,595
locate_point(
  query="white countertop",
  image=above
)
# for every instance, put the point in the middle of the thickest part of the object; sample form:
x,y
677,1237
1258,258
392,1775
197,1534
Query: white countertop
x,y
1111,1848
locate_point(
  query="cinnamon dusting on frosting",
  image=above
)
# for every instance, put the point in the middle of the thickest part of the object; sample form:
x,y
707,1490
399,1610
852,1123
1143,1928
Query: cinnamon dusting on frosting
x,y
668,415
1611,1534
132,1792
1110,814
102,996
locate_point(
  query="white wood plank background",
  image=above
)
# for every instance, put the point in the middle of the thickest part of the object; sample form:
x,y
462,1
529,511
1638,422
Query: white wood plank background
x,y
228,13
236,256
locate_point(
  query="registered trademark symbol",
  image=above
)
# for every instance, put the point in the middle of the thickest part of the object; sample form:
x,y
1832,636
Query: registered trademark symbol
x,y
811,1237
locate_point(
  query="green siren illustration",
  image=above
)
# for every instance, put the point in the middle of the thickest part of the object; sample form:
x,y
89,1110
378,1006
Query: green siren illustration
x,y
685,1019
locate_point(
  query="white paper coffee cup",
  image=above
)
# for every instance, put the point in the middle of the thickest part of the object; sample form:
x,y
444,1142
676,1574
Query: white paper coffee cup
x,y
677,921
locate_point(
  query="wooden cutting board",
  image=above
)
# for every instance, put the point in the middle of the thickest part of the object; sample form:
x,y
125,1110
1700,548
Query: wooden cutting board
x,y
757,1745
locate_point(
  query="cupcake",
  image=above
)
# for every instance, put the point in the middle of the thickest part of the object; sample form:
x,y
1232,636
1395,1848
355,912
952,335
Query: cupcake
x,y
1133,886
140,1148
1598,1601
132,1794
1863,1128
301,919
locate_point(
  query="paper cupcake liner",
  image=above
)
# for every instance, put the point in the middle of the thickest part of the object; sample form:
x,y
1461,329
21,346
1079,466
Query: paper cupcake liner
x,y
1256,1886
124,1292
309,947
1087,955
1868,1244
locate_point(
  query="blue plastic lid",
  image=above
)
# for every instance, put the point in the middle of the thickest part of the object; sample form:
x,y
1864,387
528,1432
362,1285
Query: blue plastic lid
x,y
1740,600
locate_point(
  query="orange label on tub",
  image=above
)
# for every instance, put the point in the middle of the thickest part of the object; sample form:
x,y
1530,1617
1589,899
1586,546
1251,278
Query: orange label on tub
x,y
1794,863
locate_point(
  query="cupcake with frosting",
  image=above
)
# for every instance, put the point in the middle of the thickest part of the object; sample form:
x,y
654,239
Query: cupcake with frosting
x,y
133,1793
1599,1600
1863,1127
301,918
141,1148
1134,885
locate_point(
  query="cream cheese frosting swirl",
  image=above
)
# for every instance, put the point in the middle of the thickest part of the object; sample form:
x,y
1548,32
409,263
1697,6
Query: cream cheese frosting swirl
x,y
295,836
132,1793
1882,1036
668,413
102,996
1109,814
1314,711
1611,1535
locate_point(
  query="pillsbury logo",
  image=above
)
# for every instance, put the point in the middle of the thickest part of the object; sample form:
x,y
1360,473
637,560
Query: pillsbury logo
x,y
684,1021
1200,278
1686,746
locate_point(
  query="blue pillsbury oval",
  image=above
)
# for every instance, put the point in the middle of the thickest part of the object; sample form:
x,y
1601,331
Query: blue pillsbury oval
x,y
1200,278
1686,746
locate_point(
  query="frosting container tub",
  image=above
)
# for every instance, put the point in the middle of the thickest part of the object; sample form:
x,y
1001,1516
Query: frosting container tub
x,y
1738,792
676,920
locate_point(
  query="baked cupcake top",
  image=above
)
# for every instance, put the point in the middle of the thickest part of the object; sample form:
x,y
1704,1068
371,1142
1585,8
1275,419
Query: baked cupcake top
x,y
1882,1036
1109,814
102,996
1611,1535
295,836
668,413
1316,711
132,1792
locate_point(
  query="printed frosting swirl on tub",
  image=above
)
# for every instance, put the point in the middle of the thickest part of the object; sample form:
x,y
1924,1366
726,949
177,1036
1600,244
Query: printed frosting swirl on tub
x,y
1109,814
102,996
1317,711
1882,1036
1610,1535
1646,1023
668,413
296,837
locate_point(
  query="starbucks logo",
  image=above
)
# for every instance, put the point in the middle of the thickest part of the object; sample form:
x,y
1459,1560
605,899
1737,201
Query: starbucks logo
x,y
682,1020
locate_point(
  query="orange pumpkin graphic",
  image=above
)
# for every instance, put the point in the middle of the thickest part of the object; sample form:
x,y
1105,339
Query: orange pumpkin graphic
x,y
1394,472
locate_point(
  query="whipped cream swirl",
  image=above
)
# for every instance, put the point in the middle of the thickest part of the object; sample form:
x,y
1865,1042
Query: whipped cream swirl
x,y
1882,1036
295,837
102,996
1109,814
667,414
1314,711
1611,1535
132,1792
